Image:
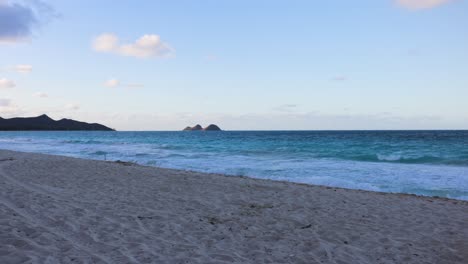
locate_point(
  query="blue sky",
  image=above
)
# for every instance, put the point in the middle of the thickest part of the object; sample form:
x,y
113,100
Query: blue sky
x,y
370,64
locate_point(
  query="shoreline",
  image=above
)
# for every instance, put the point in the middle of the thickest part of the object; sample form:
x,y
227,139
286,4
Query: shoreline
x,y
246,176
117,212
130,163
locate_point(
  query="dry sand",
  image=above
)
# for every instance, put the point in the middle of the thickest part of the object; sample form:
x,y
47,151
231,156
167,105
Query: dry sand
x,y
63,210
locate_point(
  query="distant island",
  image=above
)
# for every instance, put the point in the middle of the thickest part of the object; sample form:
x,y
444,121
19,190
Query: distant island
x,y
199,128
43,122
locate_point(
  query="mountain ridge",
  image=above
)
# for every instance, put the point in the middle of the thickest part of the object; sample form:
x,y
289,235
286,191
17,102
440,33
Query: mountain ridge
x,y
45,123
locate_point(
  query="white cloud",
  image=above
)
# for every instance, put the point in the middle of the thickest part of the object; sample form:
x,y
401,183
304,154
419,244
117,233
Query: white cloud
x,y
106,43
112,83
41,95
5,83
23,68
421,4
72,107
115,83
147,46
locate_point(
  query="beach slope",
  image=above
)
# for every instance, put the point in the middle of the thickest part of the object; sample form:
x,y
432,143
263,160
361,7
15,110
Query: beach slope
x,y
57,209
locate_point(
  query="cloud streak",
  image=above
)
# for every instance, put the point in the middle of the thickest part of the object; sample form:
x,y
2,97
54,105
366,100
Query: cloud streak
x,y
112,83
421,4
147,46
72,107
23,68
339,78
41,95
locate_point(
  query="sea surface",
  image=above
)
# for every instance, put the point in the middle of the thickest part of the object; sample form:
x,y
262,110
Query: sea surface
x,y
433,163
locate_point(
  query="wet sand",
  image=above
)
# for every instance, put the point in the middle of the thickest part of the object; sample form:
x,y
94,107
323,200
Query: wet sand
x,y
57,209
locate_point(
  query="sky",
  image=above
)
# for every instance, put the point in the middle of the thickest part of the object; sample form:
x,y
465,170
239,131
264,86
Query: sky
x,y
243,65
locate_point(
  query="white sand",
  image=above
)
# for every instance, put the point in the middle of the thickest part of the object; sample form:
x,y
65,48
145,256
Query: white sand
x,y
62,210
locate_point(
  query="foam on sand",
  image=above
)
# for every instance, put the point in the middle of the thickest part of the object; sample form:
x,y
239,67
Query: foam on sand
x,y
56,209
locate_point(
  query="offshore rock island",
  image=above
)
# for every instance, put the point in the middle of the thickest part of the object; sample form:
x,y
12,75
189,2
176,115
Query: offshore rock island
x,y
197,127
44,122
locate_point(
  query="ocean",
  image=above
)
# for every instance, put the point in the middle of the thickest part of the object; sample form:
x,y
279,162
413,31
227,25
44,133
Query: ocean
x,y
432,163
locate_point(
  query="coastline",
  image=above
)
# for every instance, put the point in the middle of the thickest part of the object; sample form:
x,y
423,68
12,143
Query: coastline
x,y
64,210
354,160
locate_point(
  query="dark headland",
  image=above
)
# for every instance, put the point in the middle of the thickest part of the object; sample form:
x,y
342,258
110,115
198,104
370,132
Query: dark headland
x,y
199,128
43,122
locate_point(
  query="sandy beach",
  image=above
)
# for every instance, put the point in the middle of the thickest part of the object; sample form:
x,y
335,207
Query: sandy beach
x,y
57,209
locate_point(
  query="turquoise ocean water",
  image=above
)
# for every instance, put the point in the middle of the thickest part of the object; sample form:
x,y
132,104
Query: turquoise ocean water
x,y
417,162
